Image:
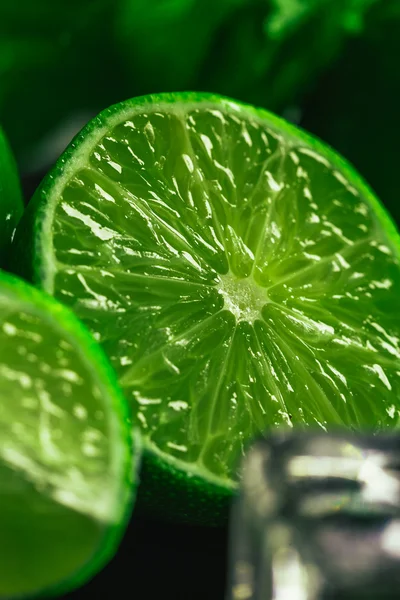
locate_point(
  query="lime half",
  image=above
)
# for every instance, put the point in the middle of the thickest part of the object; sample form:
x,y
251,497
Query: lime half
x,y
66,476
236,271
11,204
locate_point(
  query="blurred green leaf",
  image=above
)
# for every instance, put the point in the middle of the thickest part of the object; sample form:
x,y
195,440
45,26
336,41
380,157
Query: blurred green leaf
x,y
355,105
279,51
55,58
58,59
164,42
261,51
291,14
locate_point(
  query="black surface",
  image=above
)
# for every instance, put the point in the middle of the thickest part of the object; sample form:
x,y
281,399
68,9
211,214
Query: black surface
x,y
159,560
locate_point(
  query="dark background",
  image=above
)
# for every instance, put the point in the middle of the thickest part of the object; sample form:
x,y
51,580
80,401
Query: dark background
x,y
159,560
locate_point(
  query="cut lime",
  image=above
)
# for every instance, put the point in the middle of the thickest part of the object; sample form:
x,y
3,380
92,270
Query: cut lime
x,y
11,204
237,272
66,480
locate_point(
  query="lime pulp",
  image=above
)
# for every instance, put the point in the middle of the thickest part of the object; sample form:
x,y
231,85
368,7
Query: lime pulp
x,y
237,272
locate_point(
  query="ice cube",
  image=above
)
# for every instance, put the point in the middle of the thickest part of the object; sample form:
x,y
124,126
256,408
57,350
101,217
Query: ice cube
x,y
318,518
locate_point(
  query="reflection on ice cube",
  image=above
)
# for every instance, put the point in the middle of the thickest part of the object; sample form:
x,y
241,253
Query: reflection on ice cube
x,y
318,518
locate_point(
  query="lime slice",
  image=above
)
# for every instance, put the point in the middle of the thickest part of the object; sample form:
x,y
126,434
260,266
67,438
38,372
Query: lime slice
x,y
237,272
66,478
11,204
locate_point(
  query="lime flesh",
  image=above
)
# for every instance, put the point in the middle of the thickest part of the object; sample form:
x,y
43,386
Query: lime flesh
x,y
65,451
236,271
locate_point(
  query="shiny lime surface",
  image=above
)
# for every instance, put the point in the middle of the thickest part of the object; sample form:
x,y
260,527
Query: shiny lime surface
x,y
11,204
237,272
66,475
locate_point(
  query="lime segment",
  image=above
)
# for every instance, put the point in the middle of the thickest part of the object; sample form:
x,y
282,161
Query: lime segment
x,y
65,452
237,272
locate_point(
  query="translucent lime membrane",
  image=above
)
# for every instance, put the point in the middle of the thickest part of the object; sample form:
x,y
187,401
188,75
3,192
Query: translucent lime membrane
x,y
236,273
65,448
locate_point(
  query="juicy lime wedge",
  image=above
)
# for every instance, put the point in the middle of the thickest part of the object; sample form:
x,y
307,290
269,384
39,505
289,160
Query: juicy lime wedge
x,y
65,447
236,271
11,204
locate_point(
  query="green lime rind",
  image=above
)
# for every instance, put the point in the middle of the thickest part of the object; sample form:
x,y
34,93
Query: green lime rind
x,y
186,497
61,319
34,239
191,498
11,203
